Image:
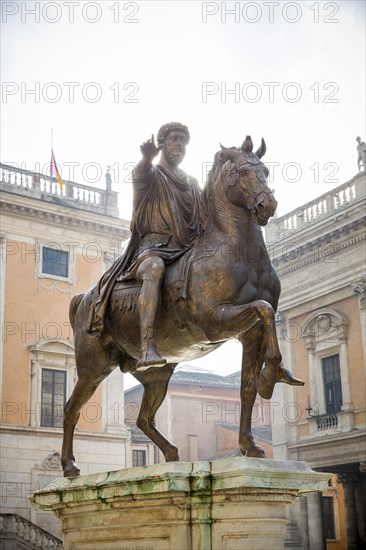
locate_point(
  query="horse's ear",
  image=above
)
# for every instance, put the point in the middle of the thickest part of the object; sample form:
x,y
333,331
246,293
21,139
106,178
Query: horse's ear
x,y
230,154
247,145
262,149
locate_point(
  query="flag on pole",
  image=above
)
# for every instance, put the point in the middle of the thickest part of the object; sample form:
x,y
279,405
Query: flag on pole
x,y
55,172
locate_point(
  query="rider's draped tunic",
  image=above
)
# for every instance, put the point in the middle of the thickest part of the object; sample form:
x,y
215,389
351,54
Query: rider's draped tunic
x,y
166,219
166,215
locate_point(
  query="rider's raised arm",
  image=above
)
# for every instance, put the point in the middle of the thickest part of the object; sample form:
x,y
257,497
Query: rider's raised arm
x,y
144,172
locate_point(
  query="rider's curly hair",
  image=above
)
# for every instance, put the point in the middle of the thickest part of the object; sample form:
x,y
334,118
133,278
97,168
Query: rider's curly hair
x,y
164,131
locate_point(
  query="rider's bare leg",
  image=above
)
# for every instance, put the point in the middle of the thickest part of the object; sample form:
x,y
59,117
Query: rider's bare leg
x,y
151,274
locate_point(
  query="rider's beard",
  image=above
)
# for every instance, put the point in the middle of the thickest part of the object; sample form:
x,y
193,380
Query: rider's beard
x,y
174,155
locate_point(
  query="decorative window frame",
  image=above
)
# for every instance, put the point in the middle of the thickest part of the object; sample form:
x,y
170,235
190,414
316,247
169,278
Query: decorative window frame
x,y
62,247
325,333
49,354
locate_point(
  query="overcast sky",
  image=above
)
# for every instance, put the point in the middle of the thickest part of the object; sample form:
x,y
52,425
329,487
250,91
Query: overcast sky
x,y
106,75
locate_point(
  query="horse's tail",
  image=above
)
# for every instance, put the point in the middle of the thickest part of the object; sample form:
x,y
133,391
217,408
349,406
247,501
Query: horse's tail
x,y
74,304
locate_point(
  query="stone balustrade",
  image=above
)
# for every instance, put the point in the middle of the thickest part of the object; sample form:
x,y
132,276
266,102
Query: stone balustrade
x,y
326,421
316,210
18,532
42,186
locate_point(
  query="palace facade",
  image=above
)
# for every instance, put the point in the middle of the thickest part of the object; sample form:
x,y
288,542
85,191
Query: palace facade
x,y
55,243
318,251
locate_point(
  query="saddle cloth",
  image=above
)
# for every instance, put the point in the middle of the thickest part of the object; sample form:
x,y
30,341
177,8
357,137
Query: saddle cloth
x,y
125,294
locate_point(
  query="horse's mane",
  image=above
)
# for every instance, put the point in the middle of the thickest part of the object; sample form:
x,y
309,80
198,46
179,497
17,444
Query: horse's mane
x,y
207,192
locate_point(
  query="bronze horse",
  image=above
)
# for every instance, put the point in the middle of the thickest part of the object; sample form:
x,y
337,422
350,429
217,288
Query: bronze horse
x,y
224,287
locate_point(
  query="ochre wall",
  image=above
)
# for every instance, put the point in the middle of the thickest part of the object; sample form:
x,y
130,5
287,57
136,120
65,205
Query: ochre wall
x,y
35,309
350,308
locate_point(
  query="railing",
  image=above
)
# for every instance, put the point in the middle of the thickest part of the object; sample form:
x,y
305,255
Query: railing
x,y
319,208
332,202
326,421
29,183
17,529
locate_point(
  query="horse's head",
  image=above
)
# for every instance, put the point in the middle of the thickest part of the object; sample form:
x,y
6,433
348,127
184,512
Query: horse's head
x,y
245,180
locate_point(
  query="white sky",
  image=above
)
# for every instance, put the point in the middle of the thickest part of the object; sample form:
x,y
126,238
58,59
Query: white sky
x,y
174,66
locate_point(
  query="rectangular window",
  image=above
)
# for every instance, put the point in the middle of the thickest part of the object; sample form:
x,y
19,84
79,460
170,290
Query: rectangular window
x,y
53,398
138,458
327,508
55,262
332,384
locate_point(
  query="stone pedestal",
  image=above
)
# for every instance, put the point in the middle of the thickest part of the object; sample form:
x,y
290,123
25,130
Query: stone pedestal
x,y
230,504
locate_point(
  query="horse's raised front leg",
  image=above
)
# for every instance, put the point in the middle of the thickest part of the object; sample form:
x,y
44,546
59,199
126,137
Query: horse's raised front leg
x,y
253,356
231,320
155,382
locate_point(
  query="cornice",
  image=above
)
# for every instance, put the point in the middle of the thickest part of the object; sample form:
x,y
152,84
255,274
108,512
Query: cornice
x,y
65,221
296,304
324,245
355,435
17,430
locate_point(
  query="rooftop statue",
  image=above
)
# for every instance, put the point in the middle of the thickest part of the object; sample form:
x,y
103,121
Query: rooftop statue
x,y
196,273
108,179
361,159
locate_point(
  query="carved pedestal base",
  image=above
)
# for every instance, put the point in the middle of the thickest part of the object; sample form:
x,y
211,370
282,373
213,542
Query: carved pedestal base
x,y
227,504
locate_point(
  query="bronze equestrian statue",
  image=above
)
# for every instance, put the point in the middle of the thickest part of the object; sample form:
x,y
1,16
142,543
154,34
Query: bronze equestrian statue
x,y
220,285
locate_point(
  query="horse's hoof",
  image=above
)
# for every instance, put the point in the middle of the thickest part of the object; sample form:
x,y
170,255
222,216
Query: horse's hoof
x,y
71,469
171,456
286,377
175,458
255,452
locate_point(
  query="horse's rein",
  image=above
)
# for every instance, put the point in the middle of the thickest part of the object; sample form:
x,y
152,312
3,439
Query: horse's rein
x,y
246,192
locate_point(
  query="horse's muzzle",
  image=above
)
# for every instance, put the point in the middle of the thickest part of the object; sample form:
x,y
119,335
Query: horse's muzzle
x,y
263,210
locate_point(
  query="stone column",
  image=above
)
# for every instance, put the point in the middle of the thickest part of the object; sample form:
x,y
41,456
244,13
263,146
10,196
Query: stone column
x,y
297,536
360,496
315,523
303,523
350,512
361,503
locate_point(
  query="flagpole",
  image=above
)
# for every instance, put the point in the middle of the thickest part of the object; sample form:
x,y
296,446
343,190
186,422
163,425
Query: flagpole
x,y
53,167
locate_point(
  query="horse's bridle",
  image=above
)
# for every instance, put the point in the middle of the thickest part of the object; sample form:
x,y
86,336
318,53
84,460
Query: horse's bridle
x,y
246,192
